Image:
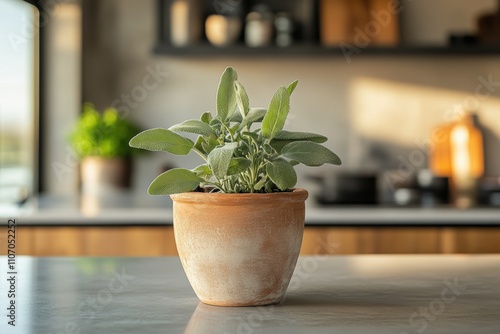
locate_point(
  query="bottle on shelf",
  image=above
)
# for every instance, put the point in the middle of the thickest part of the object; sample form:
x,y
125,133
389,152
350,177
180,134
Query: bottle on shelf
x,y
458,154
284,29
185,22
259,27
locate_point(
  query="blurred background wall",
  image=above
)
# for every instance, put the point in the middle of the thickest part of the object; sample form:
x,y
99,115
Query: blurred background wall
x,y
376,110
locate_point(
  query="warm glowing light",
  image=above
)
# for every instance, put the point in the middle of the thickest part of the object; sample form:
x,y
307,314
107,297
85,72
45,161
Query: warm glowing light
x,y
460,153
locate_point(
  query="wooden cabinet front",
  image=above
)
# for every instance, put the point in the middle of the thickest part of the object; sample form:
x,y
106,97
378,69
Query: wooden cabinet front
x,y
159,240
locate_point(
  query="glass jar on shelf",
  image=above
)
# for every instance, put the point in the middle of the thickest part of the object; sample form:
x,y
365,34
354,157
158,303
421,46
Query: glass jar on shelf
x,y
259,28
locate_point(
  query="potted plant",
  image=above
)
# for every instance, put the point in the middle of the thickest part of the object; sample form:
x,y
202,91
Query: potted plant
x,y
238,220
101,142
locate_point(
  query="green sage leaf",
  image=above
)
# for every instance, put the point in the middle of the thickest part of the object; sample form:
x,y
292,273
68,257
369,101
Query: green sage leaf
x,y
216,123
199,144
276,113
209,144
202,171
220,158
233,129
162,140
309,136
226,95
174,181
283,138
254,136
206,117
310,153
269,186
268,149
291,87
242,99
236,118
260,184
281,172
254,115
193,126
238,165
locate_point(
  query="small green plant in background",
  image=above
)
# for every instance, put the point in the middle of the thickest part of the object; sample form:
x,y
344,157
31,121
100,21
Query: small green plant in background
x,y
102,134
239,157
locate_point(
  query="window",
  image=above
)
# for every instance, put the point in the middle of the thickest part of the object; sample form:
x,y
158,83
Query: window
x,y
18,100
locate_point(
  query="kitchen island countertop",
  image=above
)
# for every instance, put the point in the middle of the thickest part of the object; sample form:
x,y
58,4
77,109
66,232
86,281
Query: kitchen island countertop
x,y
397,294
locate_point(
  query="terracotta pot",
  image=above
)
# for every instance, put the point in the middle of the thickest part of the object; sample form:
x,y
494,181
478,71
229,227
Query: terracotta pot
x,y
239,249
102,174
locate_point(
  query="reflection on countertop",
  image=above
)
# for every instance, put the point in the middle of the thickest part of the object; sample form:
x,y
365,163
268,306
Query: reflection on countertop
x,y
129,208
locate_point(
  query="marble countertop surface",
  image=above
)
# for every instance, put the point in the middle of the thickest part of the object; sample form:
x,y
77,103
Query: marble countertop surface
x,y
393,294
125,209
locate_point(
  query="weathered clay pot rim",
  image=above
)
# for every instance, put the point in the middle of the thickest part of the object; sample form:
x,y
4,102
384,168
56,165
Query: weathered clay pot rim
x,y
296,195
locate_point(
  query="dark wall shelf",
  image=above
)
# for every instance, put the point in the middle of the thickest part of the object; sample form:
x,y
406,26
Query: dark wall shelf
x,y
308,44
204,50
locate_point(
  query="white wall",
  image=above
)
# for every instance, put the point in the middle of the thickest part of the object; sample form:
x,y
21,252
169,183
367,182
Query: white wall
x,y
374,110
430,21
63,96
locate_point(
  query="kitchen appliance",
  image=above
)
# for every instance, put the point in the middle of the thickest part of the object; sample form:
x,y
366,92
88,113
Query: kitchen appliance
x,y
433,190
421,188
347,188
489,191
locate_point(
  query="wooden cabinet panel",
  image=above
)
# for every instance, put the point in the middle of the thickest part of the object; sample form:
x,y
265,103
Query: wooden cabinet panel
x,y
129,241
48,241
470,240
159,240
370,240
329,240
406,240
93,241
